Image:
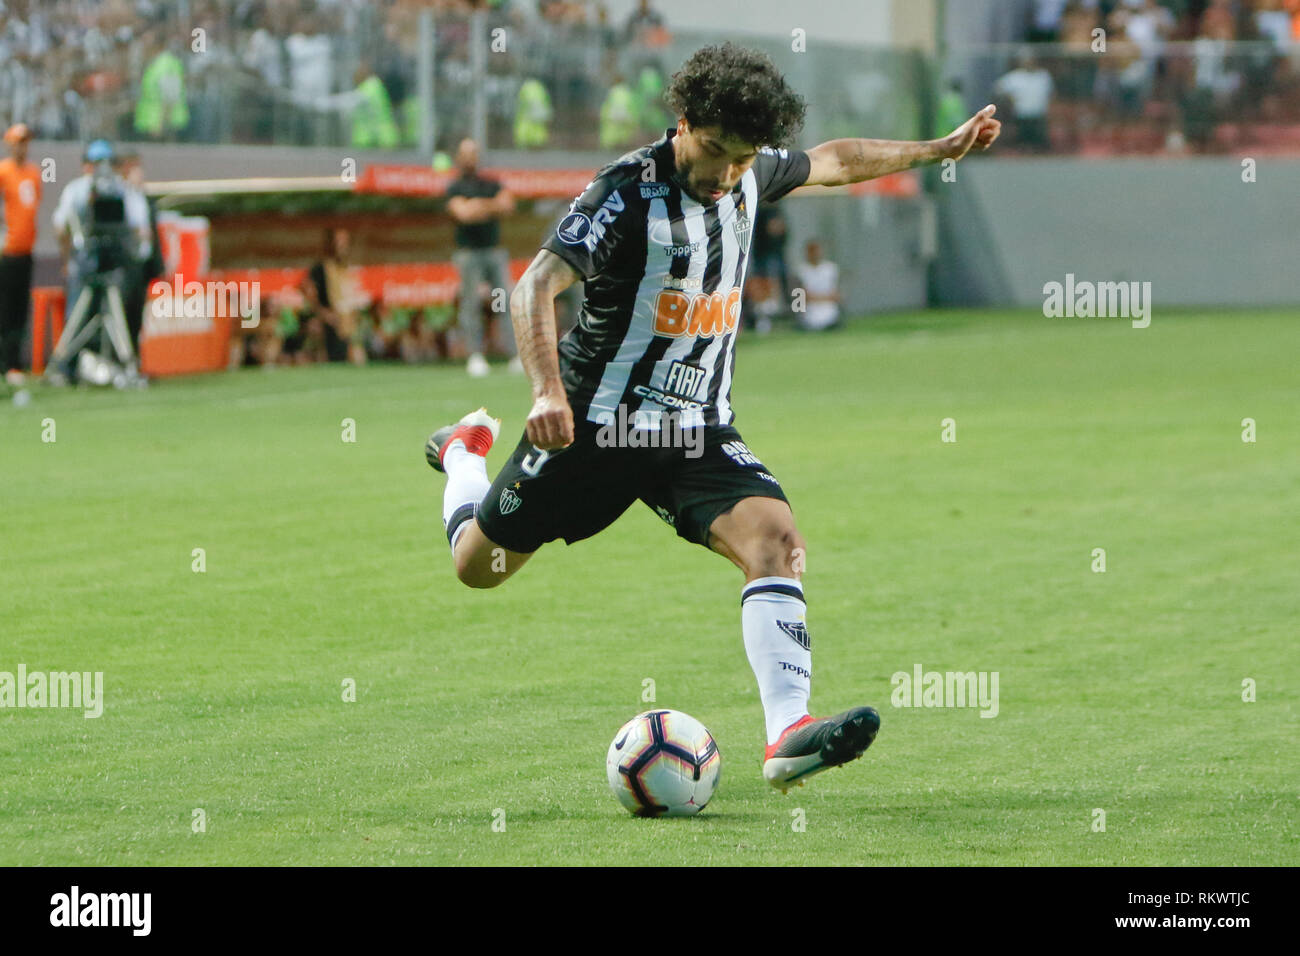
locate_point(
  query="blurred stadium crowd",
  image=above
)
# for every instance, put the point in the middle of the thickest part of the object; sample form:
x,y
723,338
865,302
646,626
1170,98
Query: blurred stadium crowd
x,y
323,72
1176,74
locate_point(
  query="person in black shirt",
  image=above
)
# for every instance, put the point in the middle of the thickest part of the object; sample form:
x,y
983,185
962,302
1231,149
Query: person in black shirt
x,y
771,279
477,203
331,323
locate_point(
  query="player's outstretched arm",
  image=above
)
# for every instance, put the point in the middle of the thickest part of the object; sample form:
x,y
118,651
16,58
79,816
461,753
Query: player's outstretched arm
x,y
532,310
843,161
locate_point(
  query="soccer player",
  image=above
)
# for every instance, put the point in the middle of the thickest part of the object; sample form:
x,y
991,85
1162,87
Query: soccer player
x,y
634,403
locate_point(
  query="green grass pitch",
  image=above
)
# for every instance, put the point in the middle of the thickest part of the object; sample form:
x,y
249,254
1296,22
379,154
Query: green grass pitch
x,y
325,561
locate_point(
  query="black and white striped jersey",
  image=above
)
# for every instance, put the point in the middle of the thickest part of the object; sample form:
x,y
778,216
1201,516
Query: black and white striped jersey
x,y
663,278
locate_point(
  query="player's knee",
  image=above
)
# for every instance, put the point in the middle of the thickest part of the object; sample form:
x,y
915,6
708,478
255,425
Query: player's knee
x,y
476,578
778,552
476,574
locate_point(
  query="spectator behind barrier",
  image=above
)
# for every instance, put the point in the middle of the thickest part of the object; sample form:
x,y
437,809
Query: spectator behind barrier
x,y
1029,88
477,204
820,280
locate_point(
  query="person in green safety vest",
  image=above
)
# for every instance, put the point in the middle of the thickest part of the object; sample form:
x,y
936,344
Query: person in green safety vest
x,y
410,114
650,97
619,116
373,124
533,115
951,111
161,111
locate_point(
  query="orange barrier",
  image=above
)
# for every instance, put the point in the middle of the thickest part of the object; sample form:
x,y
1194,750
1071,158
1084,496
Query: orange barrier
x,y
406,180
396,180
203,346
393,284
181,336
47,302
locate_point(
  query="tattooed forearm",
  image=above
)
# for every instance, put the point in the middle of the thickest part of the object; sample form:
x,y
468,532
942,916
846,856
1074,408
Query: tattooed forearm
x,y
843,161
532,311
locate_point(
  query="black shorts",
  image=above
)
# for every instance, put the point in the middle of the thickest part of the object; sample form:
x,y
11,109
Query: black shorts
x,y
577,491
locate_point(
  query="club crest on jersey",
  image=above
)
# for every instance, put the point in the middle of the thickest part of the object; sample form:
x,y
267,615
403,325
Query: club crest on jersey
x,y
574,228
742,226
509,501
798,631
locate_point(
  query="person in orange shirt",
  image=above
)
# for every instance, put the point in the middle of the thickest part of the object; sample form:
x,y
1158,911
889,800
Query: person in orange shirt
x,y
20,186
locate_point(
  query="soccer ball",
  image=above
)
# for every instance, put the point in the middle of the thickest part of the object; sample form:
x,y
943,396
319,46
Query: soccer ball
x,y
663,763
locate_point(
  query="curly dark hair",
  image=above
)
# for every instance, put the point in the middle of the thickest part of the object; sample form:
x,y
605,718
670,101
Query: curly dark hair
x,y
739,90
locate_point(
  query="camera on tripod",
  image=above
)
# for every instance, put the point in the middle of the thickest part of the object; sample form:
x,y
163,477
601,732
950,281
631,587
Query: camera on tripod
x,y
107,238
105,244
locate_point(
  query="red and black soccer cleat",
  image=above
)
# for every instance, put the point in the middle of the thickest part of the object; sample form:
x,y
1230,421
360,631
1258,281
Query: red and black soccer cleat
x,y
811,745
477,430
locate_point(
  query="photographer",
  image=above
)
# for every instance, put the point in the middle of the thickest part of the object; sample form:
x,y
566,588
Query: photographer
x,y
149,265
103,229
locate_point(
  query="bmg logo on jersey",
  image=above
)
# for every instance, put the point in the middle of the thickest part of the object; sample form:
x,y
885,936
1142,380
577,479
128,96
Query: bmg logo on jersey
x,y
703,314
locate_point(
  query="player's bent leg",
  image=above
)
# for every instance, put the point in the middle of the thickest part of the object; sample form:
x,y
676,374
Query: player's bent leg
x,y
480,562
460,452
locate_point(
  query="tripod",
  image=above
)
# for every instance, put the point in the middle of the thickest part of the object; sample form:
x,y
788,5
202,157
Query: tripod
x,y
98,309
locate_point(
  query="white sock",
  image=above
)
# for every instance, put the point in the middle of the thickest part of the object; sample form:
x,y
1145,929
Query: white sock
x,y
467,483
773,618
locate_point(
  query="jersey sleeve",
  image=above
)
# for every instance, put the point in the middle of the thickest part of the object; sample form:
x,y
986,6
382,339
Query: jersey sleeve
x,y
780,170
591,231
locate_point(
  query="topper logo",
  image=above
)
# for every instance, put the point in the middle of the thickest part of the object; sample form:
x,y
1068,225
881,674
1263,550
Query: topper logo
x,y
703,314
